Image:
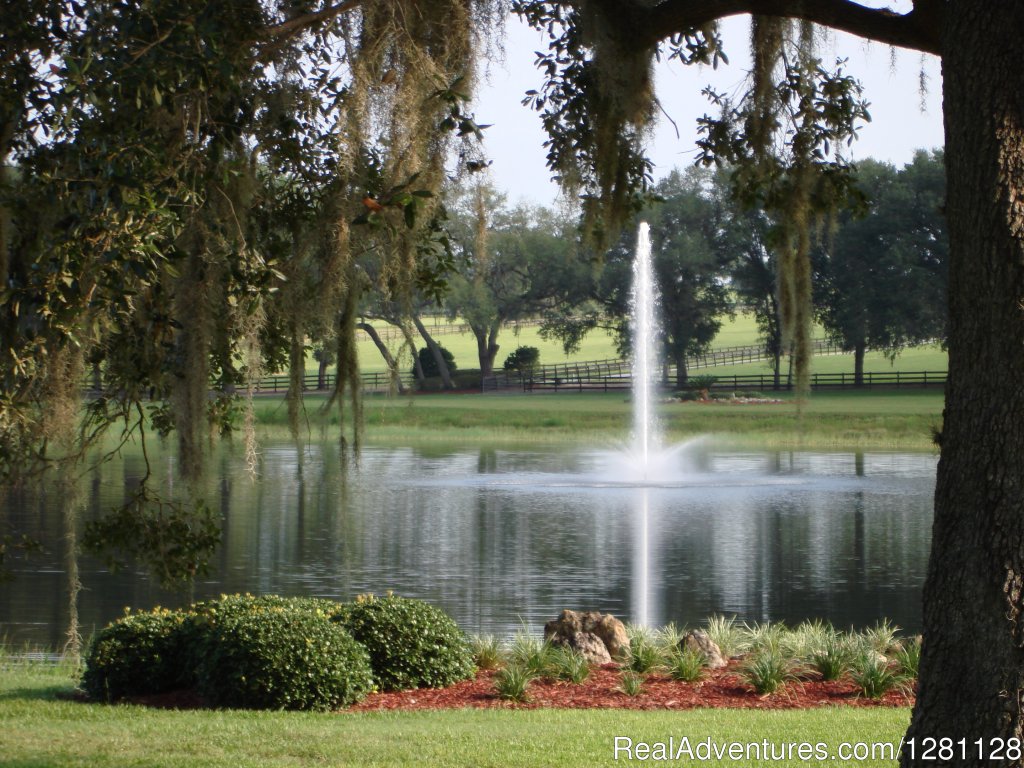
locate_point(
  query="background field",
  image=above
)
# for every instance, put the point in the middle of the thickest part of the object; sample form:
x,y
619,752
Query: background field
x,y
740,330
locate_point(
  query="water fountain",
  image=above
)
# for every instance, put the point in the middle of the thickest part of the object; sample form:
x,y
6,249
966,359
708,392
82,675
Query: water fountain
x,y
645,357
645,364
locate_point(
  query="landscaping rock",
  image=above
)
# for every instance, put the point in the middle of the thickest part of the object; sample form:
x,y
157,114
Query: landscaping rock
x,y
699,640
572,628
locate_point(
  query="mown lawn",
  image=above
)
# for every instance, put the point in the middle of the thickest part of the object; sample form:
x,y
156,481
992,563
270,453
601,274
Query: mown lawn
x,y
39,729
889,419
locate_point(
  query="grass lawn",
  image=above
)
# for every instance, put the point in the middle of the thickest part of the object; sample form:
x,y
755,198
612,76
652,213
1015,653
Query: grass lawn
x,y
890,419
38,729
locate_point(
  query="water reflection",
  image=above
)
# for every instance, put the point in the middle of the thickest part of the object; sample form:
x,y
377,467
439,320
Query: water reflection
x,y
500,537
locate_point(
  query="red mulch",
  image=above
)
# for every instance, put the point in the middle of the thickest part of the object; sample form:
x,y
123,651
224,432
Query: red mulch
x,y
722,688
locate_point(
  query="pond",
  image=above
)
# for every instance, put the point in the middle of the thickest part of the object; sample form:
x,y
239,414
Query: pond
x,y
506,538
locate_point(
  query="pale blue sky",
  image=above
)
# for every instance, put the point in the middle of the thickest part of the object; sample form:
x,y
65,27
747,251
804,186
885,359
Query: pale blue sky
x,y
899,125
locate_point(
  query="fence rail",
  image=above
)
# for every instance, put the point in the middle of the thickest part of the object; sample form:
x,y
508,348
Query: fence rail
x,y
758,382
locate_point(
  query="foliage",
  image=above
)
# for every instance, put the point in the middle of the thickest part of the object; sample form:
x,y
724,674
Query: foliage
x,y
275,653
687,665
908,657
645,655
411,644
881,278
487,651
874,676
631,682
174,540
767,671
727,634
140,653
832,659
513,681
569,664
532,653
522,359
429,364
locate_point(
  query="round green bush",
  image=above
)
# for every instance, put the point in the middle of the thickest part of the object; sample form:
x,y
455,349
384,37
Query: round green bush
x,y
140,653
429,364
411,644
277,653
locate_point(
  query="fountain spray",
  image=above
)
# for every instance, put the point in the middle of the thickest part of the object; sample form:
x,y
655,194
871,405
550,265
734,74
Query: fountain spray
x,y
645,358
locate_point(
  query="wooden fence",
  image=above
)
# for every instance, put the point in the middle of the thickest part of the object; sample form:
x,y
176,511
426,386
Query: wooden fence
x,y
737,383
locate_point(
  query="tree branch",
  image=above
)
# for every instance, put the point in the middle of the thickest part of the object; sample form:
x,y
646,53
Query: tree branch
x,y
920,29
296,24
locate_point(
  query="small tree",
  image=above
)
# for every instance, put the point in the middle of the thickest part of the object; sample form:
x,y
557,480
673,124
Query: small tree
x,y
523,359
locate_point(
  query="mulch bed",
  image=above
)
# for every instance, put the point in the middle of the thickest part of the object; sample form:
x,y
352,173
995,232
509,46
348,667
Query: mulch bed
x,y
722,688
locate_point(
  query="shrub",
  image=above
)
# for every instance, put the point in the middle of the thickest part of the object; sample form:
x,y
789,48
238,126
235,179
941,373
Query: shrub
x,y
522,359
701,383
140,653
411,644
276,653
429,364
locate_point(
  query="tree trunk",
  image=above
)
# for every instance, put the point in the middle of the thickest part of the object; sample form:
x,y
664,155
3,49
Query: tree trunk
x,y
682,375
858,363
435,350
321,373
390,361
972,663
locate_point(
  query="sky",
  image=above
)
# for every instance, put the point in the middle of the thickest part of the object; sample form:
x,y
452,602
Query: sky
x,y
903,118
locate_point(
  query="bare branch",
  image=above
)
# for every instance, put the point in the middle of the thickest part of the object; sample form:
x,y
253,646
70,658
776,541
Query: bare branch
x,y
920,29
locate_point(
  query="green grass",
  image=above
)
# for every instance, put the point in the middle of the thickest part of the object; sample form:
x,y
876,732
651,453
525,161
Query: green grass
x,y
38,729
893,419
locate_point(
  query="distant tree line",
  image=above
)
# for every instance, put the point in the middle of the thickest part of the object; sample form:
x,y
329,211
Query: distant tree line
x,y
880,268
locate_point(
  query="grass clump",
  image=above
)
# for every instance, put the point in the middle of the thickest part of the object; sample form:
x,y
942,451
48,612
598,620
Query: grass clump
x,y
631,683
727,634
532,653
831,659
768,672
908,657
875,677
513,681
411,644
487,651
645,655
687,665
569,665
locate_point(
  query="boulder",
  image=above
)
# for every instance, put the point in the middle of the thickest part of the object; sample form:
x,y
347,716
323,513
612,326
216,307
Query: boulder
x,y
699,640
580,629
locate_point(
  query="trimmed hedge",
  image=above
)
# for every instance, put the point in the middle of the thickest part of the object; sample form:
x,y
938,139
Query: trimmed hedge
x,y
139,653
277,654
411,644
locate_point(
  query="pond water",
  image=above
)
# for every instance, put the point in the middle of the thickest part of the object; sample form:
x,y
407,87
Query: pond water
x,y
506,538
